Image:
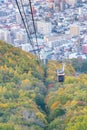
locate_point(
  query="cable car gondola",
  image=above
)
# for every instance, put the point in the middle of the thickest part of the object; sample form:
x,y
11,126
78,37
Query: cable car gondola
x,y
61,77
61,74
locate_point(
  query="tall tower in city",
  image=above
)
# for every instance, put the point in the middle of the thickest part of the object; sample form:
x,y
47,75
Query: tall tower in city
x,y
60,4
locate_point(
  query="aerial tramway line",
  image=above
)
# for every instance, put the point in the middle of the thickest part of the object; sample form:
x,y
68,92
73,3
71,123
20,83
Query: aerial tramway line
x,y
25,19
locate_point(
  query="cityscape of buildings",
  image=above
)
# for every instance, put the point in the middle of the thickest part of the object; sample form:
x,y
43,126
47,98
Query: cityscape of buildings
x,y
61,27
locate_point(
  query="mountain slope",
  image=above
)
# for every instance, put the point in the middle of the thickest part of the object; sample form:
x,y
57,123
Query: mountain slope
x,y
21,87
66,102
22,94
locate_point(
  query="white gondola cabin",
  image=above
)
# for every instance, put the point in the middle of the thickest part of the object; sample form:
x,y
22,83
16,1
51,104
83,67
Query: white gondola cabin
x,y
61,74
60,77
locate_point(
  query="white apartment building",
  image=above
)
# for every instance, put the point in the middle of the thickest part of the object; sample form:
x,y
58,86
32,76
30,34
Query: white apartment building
x,y
56,41
43,27
5,36
74,30
18,18
71,2
22,36
1,34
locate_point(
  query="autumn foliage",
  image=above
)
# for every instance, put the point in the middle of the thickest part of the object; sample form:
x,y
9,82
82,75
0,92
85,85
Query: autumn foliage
x,y
27,104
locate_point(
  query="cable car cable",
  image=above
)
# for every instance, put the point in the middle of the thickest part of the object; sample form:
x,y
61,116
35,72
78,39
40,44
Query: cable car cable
x,y
24,24
27,24
34,26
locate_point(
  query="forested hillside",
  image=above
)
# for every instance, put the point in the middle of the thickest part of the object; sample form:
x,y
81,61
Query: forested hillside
x,y
28,103
21,88
66,102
